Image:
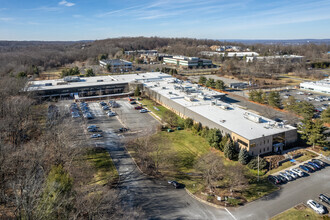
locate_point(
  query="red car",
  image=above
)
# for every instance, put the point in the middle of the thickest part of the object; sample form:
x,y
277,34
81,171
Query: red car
x,y
138,107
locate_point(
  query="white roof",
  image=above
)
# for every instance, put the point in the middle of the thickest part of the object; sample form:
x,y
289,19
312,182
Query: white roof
x,y
322,85
96,81
232,119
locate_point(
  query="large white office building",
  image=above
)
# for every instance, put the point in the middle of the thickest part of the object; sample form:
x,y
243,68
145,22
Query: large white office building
x,y
322,86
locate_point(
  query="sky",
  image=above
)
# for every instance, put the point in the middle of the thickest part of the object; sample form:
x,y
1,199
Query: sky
x,y
67,20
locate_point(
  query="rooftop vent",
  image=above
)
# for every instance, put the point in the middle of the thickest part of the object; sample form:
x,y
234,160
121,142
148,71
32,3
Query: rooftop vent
x,y
252,117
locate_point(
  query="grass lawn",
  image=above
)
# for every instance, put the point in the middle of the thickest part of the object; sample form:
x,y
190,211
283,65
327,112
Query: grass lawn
x,y
151,104
298,213
188,148
307,156
282,167
105,170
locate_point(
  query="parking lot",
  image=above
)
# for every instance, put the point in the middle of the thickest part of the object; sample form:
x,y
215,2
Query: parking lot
x,y
320,101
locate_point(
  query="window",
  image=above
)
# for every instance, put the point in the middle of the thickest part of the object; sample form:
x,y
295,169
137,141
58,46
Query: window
x,y
260,151
264,141
242,142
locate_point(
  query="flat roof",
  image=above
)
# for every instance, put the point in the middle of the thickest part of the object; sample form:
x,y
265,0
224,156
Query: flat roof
x,y
232,117
95,81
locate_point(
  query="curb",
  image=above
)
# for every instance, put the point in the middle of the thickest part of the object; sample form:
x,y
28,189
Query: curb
x,y
203,201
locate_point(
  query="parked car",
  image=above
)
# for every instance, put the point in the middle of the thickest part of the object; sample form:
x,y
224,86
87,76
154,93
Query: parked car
x,y
314,165
274,180
105,108
310,167
292,174
319,162
324,198
133,102
110,114
91,126
287,177
103,103
282,179
316,206
174,183
122,129
307,169
298,172
138,107
96,135
143,110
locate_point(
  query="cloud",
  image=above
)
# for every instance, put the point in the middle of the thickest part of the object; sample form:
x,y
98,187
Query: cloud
x,y
6,19
66,3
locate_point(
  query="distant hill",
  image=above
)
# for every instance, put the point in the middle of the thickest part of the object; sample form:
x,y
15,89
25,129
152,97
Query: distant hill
x,y
284,42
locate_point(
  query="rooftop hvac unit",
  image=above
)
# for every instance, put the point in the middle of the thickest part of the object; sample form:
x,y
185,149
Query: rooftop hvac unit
x,y
189,98
252,117
224,107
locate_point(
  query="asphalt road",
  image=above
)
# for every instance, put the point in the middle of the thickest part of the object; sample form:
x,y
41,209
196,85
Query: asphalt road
x,y
155,199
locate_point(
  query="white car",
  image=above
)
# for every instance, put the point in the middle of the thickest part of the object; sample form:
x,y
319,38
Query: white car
x,y
316,206
297,171
96,135
286,176
92,127
300,93
290,173
110,114
143,110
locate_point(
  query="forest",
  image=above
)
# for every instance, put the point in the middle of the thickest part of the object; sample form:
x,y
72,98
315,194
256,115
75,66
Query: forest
x,y
25,56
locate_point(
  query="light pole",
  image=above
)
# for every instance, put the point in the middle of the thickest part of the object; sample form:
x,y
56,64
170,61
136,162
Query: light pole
x,y
258,167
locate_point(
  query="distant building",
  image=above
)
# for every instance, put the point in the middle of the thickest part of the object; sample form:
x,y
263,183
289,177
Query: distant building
x,y
322,86
227,48
292,58
229,54
116,65
187,62
142,52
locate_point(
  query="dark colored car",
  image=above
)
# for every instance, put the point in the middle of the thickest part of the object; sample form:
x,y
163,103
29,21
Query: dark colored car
x,y
314,165
133,102
138,107
324,198
281,178
310,167
174,183
318,162
274,180
307,169
122,129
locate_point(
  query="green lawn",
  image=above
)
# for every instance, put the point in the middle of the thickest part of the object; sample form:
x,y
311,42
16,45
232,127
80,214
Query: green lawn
x,y
282,167
151,104
307,156
105,170
187,147
298,213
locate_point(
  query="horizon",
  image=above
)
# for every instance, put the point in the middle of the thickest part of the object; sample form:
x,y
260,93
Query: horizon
x,y
61,20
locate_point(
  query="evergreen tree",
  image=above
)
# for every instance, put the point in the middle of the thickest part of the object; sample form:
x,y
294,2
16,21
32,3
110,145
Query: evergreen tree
x,y
202,80
137,91
252,95
214,137
243,156
197,128
57,195
90,72
210,83
313,132
229,150
219,84
326,116
274,99
188,123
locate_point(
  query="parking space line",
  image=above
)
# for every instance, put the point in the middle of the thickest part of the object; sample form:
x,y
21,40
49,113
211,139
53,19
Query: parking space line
x,y
230,214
